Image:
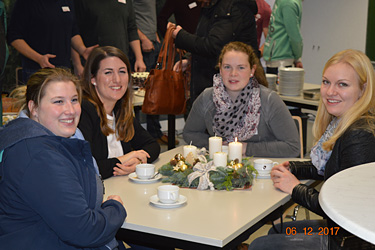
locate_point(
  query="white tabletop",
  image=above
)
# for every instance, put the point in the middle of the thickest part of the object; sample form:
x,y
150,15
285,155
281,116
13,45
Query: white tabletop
x,y
209,217
348,198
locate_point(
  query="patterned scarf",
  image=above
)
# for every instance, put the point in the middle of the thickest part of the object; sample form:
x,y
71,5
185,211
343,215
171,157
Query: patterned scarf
x,y
239,118
318,155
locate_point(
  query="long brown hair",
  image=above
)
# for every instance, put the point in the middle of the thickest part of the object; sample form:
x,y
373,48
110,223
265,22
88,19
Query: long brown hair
x,y
253,59
123,108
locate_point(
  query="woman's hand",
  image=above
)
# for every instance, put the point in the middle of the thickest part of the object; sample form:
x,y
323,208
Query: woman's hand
x,y
176,30
283,179
129,161
116,198
123,169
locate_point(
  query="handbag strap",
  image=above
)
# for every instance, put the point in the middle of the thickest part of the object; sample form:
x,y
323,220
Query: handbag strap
x,y
168,51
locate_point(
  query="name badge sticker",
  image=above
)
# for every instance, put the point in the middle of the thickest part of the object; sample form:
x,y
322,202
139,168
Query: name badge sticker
x,y
65,9
122,1
192,5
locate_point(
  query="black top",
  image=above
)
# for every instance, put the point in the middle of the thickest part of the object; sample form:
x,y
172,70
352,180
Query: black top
x,y
222,22
107,23
46,26
354,147
89,124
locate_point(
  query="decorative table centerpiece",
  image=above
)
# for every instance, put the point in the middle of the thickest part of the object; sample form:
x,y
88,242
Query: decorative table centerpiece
x,y
201,173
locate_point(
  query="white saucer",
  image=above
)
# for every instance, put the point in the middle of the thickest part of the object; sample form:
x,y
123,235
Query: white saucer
x,y
133,177
263,176
155,201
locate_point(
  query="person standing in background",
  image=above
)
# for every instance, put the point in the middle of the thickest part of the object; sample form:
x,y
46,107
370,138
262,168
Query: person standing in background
x,y
44,33
186,13
145,16
108,23
221,22
283,45
262,19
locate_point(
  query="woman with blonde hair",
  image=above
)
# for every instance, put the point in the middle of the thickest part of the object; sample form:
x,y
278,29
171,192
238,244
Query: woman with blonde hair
x,y
345,132
118,142
240,105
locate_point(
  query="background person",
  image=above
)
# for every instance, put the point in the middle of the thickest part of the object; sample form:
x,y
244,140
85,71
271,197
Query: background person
x,y
108,23
44,33
52,197
262,19
240,105
345,131
185,12
221,22
284,44
118,142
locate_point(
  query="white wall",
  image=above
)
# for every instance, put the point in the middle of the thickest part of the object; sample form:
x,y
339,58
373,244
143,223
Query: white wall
x,y
329,26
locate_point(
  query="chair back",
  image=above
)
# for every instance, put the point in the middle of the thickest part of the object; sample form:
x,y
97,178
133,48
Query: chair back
x,y
298,122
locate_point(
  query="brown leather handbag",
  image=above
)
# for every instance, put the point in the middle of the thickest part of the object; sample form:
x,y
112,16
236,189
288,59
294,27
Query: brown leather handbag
x,y
166,90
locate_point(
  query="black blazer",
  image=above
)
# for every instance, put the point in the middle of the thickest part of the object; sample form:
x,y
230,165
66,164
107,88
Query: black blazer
x,y
89,124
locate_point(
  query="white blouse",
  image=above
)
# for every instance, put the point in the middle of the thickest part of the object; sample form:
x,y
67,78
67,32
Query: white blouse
x,y
114,145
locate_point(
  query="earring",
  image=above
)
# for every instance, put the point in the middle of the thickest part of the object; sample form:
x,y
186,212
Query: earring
x,y
251,75
94,83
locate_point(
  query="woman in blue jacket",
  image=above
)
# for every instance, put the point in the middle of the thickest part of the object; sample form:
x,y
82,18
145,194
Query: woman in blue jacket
x,y
51,196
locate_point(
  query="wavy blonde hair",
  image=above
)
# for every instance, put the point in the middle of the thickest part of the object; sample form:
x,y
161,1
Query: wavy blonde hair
x,y
363,108
123,108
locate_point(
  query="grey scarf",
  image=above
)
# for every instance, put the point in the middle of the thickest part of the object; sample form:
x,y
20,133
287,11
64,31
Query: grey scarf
x,y
239,118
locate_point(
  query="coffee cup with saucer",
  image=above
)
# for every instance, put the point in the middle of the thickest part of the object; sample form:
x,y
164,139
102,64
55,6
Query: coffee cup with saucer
x,y
264,166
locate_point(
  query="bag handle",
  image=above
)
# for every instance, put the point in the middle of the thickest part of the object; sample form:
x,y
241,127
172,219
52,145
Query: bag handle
x,y
168,51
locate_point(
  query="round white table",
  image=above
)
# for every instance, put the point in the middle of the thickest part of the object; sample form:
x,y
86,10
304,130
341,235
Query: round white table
x,y
348,198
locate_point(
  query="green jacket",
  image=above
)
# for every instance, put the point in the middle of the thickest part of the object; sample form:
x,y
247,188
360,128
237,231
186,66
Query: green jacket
x,y
284,39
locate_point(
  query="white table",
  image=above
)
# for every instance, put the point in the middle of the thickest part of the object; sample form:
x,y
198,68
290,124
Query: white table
x,y
348,198
209,219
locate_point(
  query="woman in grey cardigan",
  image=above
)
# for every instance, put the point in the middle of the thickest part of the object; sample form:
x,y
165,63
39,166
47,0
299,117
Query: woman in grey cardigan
x,y
240,105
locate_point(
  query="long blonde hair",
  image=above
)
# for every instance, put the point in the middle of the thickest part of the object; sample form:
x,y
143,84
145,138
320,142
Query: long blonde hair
x,y
363,108
123,108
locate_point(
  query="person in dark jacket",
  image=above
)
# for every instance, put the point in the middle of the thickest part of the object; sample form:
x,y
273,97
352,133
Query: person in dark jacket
x,y
345,132
51,196
221,22
118,142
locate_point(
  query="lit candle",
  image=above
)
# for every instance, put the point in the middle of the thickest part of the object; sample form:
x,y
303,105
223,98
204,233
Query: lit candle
x,y
214,145
190,149
235,150
220,159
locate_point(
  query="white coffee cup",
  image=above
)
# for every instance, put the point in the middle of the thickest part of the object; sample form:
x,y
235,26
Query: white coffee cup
x,y
168,193
264,166
145,171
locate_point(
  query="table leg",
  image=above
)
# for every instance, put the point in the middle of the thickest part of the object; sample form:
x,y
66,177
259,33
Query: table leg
x,y
171,131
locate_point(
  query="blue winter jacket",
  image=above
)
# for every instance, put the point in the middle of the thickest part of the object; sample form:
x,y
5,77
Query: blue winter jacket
x,y
48,192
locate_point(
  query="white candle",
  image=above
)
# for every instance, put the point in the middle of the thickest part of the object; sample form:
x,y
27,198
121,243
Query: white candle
x,y
214,145
235,150
220,159
190,149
